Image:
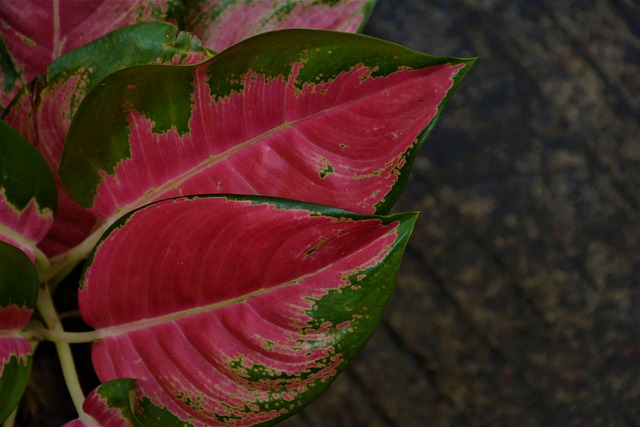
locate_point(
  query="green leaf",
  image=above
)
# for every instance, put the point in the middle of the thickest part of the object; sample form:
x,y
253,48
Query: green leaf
x,y
44,113
27,192
138,44
221,24
120,402
18,295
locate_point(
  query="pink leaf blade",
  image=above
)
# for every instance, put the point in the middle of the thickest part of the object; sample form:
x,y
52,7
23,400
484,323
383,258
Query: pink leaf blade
x,y
49,107
119,403
15,369
18,295
27,192
23,228
71,225
346,114
222,24
37,32
249,333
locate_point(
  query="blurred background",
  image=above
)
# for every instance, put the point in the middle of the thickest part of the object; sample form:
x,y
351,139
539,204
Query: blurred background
x,y
518,303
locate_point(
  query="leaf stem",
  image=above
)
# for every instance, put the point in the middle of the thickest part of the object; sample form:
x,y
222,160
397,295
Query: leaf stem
x,y
69,314
35,330
11,419
50,316
41,261
62,265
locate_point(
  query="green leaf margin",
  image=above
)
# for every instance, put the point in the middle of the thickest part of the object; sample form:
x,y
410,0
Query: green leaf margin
x,y
136,44
24,175
19,287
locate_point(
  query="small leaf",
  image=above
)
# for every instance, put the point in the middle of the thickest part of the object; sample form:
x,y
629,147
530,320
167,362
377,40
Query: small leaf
x,y
220,24
35,33
27,192
119,403
71,77
44,113
340,115
18,295
237,310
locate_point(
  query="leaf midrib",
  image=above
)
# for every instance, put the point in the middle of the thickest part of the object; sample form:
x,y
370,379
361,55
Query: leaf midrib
x,y
111,331
194,311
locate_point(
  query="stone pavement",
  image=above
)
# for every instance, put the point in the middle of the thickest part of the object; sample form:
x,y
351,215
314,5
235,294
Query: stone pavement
x,y
518,303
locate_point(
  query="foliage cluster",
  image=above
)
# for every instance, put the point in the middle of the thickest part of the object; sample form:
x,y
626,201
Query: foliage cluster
x,y
226,189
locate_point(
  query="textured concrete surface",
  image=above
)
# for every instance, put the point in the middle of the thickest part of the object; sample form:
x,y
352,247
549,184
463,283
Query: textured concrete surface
x,y
518,302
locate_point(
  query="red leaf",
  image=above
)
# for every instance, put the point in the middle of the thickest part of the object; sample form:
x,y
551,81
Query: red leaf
x,y
220,24
237,307
339,115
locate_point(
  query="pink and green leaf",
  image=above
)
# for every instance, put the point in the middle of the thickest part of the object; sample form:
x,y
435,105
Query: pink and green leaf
x,y
18,295
221,24
341,115
27,192
232,310
49,105
72,76
43,112
119,403
35,33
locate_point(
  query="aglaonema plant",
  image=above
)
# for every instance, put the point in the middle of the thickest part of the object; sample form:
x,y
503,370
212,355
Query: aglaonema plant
x,y
231,209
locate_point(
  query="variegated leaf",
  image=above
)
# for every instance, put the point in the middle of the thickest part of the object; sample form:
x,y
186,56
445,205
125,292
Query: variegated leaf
x,y
36,32
220,24
119,403
27,193
43,112
237,310
18,295
318,116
